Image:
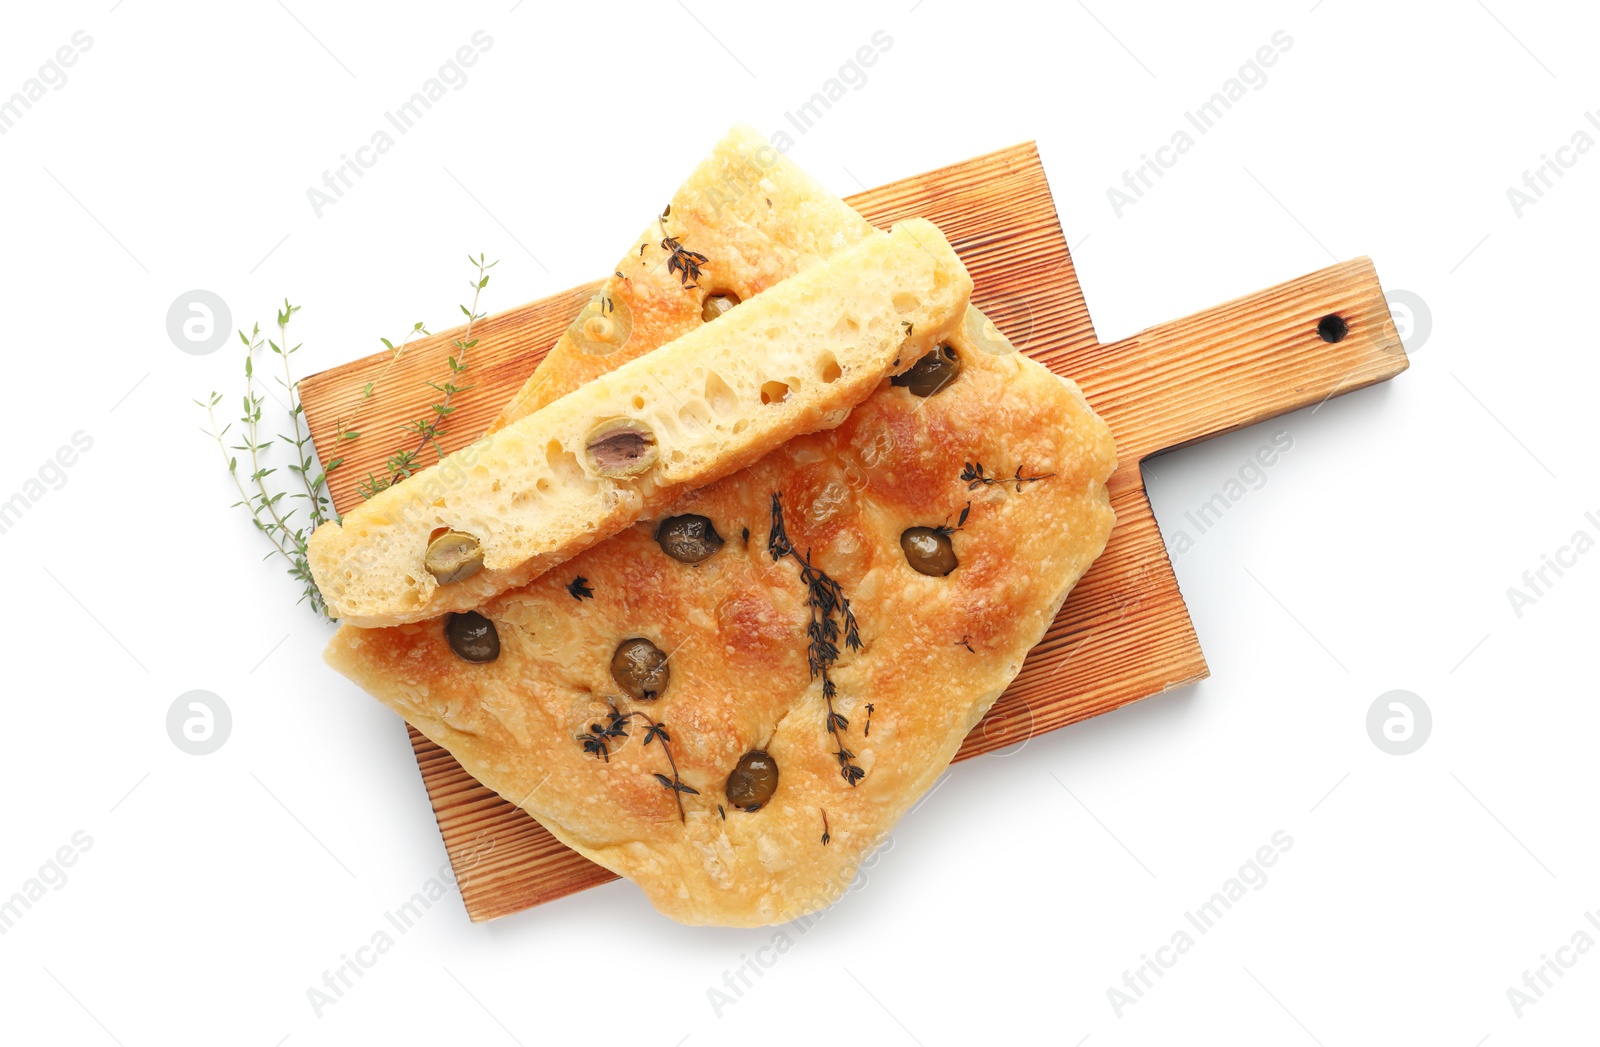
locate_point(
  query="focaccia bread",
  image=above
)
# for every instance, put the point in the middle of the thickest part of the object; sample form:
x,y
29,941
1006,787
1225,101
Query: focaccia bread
x,y
745,219
829,623
505,509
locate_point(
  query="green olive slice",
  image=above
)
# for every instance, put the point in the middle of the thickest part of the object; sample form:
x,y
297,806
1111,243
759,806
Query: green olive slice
x,y
753,780
453,556
472,637
928,550
621,447
640,669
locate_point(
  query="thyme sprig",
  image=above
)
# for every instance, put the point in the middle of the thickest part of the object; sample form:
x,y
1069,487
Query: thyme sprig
x,y
975,476
271,514
407,460
319,506
272,511
345,430
826,600
598,738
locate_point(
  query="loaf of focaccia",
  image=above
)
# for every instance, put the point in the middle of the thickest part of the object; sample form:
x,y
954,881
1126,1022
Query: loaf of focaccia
x,y
733,703
790,361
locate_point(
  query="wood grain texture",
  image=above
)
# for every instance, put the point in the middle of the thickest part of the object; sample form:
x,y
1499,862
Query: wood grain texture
x,y
1124,633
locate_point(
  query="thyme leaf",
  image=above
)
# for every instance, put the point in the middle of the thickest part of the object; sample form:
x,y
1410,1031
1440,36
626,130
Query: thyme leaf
x,y
684,262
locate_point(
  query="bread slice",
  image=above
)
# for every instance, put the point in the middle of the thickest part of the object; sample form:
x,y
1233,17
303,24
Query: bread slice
x,y
751,217
503,510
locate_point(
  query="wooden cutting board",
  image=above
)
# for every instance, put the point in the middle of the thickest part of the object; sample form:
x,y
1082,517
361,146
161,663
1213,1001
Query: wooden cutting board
x,y
1124,633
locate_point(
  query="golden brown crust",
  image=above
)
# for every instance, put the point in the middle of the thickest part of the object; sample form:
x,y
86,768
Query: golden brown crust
x,y
938,651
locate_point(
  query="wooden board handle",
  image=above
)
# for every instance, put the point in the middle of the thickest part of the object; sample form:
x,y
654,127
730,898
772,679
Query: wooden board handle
x,y
1243,362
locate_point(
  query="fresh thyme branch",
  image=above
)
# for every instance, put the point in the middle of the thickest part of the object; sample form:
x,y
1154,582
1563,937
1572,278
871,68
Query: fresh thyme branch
x,y
288,509
826,600
274,511
598,738
427,431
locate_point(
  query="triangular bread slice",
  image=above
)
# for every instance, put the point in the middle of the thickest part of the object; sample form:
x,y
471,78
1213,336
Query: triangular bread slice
x,y
503,510
745,218
1006,461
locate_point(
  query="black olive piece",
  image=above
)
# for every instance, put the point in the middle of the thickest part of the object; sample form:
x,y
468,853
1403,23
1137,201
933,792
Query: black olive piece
x,y
928,550
640,669
717,304
689,538
753,781
472,636
931,373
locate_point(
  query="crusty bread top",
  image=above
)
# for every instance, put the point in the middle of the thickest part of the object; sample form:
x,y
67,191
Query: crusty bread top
x,y
753,215
936,652
792,360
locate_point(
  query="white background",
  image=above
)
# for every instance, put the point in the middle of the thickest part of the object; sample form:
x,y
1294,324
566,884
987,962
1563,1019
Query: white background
x,y
1376,556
